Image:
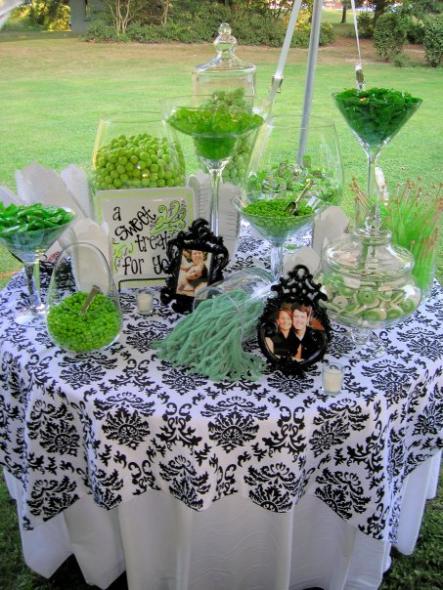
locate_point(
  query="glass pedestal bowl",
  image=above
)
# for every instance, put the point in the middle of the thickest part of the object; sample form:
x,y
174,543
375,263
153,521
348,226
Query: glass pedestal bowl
x,y
215,126
276,220
29,245
83,311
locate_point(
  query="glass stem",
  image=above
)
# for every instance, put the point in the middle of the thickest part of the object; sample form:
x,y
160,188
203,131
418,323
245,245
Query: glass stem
x,y
276,262
32,272
373,193
215,173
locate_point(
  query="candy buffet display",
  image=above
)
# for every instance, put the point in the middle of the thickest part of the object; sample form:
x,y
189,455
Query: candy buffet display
x,y
83,331
83,308
368,280
210,340
288,179
134,151
28,231
277,169
31,227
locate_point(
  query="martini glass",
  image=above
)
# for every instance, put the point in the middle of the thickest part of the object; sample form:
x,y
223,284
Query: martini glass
x,y
29,246
275,229
375,116
215,129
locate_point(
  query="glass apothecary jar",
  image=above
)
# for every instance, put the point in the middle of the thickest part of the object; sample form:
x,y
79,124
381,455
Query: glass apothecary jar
x,y
136,150
225,73
368,281
83,311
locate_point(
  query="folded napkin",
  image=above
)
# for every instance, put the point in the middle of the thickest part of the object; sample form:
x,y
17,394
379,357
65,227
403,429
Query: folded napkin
x,y
328,226
229,218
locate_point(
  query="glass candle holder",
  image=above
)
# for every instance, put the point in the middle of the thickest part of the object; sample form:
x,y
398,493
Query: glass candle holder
x,y
332,375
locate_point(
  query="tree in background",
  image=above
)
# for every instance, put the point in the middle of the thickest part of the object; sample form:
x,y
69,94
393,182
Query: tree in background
x,y
381,6
124,12
345,5
423,8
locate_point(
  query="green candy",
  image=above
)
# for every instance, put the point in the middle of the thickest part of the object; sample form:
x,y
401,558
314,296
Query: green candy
x,y
367,297
78,332
122,162
217,124
376,114
21,219
274,217
286,179
408,305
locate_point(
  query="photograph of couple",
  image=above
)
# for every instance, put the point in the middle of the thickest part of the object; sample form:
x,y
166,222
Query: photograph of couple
x,y
194,272
297,335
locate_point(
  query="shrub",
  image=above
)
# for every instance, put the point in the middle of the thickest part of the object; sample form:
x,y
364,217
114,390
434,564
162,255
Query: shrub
x,y
365,25
401,61
433,41
415,30
100,31
389,35
201,25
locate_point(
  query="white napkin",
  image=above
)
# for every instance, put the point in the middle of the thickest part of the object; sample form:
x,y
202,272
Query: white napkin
x,y
329,225
306,256
228,216
36,183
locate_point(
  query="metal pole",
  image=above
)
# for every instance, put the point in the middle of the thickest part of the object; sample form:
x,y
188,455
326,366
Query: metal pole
x,y
277,78
312,60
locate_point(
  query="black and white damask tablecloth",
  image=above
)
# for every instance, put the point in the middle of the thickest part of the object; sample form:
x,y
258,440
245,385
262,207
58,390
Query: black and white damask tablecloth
x,y
119,422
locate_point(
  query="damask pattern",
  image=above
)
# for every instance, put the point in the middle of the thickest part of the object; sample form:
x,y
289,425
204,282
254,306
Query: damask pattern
x,y
117,423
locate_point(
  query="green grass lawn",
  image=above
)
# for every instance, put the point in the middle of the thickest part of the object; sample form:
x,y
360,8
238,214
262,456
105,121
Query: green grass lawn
x,y
54,88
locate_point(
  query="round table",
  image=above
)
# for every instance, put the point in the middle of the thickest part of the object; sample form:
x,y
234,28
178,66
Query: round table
x,y
161,450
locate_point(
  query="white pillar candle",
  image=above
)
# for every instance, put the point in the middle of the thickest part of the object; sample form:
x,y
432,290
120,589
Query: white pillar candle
x,y
144,303
332,378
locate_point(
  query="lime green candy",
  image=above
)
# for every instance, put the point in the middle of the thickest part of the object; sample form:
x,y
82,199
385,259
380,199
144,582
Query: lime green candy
x,y
376,114
139,161
72,330
276,217
367,304
216,124
24,218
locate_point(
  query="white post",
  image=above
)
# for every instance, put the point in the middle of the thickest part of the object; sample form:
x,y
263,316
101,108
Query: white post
x,y
312,61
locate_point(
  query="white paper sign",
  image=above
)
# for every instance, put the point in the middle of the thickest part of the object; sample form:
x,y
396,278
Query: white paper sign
x,y
141,222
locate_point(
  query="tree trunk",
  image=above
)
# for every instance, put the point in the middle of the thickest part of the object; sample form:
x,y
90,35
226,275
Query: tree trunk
x,y
343,13
166,4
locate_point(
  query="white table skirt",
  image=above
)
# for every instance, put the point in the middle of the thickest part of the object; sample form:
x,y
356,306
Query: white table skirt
x,y
163,545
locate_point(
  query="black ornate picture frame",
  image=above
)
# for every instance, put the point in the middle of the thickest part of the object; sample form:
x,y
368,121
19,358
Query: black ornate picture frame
x,y
196,258
294,329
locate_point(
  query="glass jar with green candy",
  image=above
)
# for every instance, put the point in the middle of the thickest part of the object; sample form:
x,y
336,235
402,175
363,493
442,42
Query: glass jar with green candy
x,y
135,150
83,311
215,126
28,231
284,189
